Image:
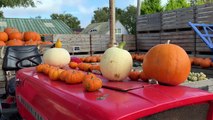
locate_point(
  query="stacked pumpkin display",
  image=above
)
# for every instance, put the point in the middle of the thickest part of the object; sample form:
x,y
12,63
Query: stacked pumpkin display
x,y
13,37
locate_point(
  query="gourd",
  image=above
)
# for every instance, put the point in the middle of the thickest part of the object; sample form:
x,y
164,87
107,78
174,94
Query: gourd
x,y
116,63
196,77
58,44
167,63
58,57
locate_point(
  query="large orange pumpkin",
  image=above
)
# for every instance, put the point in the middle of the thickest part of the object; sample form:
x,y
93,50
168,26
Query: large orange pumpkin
x,y
30,35
2,43
9,30
15,42
3,36
167,63
16,35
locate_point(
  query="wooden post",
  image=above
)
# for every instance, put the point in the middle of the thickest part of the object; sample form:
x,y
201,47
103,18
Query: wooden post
x,y
112,23
138,14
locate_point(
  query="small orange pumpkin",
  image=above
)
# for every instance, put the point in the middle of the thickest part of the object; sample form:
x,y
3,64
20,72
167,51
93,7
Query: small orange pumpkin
x,y
74,77
39,68
167,63
63,75
205,63
73,65
197,60
54,73
95,67
134,75
92,83
84,66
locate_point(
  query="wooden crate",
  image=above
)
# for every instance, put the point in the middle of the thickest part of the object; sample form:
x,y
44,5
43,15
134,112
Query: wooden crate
x,y
130,42
184,39
177,19
151,22
74,43
204,13
147,40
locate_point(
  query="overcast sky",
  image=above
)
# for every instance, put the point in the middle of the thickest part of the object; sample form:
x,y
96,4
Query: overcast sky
x,y
82,9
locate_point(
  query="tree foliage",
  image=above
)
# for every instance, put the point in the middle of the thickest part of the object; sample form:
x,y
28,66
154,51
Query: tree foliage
x,y
128,19
176,4
17,3
102,14
151,6
1,14
68,19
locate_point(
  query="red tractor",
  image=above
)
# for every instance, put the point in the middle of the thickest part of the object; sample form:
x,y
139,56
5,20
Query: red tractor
x,y
39,98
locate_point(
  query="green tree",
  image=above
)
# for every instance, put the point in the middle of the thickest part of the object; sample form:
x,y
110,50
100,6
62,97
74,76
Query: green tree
x,y
176,4
1,14
151,6
102,14
68,19
128,19
17,3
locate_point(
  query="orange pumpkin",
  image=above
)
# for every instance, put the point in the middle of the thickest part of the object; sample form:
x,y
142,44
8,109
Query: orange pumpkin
x,y
2,43
134,75
15,42
73,65
92,83
74,77
84,66
31,42
9,30
167,63
3,36
30,35
63,75
93,59
15,35
39,68
54,73
89,75
205,63
197,60
95,67
38,37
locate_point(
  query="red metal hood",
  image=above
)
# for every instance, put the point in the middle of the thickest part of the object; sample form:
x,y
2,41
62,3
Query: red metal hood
x,y
115,100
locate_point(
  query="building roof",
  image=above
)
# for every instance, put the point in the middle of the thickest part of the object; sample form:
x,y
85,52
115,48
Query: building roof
x,y
102,28
42,26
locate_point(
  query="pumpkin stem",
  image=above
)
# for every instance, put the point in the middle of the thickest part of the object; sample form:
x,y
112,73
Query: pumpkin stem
x,y
122,44
168,42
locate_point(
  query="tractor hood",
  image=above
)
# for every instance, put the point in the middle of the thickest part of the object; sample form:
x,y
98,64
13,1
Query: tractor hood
x,y
39,97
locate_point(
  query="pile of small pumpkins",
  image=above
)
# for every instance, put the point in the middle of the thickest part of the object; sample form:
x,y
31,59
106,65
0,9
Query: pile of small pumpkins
x,y
202,62
91,59
13,37
71,76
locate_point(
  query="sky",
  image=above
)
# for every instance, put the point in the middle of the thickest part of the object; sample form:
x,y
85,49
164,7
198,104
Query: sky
x,y
82,9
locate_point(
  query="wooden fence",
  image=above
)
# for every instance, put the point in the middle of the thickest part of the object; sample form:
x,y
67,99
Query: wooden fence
x,y
91,44
173,25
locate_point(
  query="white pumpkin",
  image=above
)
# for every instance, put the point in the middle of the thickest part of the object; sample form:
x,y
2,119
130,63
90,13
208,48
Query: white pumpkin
x,y
59,57
115,64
